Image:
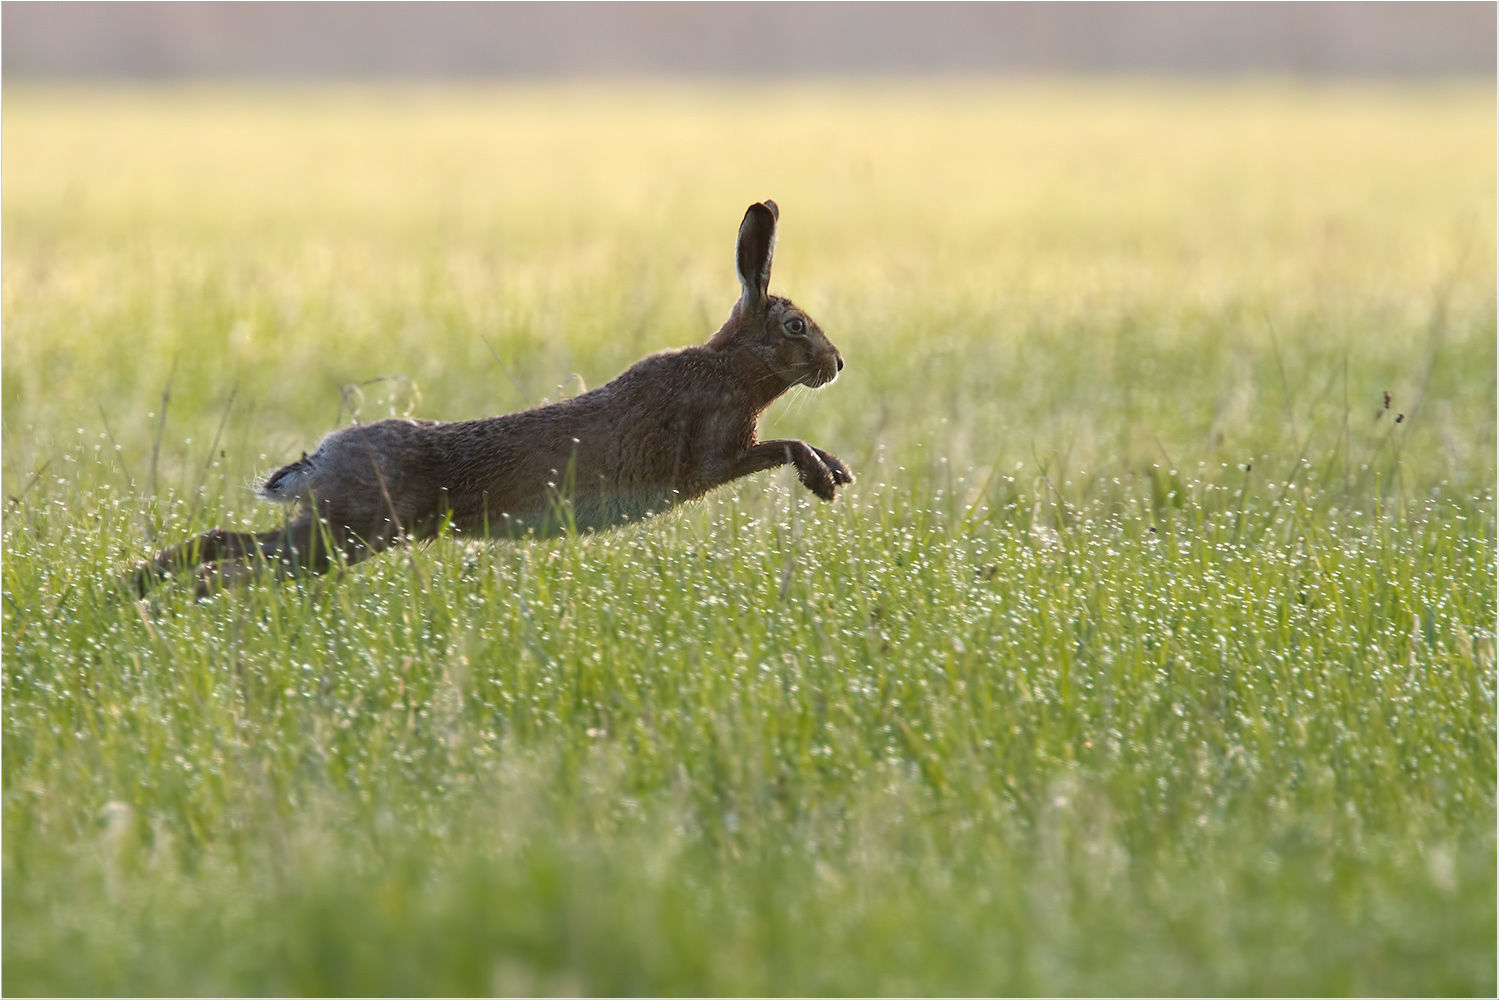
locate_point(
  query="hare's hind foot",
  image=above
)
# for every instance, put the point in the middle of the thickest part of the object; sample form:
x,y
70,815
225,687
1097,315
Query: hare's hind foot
x,y
221,559
211,581
215,578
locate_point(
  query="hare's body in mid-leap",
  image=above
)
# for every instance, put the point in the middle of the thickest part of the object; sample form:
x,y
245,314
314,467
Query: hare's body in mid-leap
x,y
670,428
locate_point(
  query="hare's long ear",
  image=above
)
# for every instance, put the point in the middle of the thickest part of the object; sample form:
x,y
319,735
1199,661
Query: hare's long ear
x,y
757,245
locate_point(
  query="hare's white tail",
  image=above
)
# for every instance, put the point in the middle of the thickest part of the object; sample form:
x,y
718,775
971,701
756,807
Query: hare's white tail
x,y
290,482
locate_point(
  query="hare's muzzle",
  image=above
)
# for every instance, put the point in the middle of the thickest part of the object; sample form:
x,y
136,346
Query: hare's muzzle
x,y
825,370
836,367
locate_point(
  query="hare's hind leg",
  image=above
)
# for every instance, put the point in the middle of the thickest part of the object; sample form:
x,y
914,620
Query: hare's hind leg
x,y
222,558
229,559
205,550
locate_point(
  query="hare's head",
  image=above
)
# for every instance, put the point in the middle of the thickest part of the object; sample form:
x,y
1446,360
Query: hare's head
x,y
773,330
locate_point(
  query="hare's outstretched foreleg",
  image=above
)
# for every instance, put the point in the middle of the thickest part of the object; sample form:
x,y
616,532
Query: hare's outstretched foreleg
x,y
222,558
820,471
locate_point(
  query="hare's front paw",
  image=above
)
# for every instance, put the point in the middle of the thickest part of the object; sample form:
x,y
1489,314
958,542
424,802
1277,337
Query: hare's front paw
x,y
822,473
818,479
841,475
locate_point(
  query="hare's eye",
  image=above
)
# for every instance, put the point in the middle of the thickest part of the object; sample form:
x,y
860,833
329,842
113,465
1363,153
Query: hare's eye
x,y
795,326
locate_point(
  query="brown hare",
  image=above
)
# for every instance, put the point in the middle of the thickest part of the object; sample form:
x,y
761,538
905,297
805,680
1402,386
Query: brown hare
x,y
669,429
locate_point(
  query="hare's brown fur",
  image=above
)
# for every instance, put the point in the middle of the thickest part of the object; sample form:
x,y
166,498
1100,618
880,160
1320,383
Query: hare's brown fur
x,y
669,429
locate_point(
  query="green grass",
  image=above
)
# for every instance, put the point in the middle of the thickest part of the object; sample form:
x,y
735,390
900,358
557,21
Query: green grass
x,y
1150,654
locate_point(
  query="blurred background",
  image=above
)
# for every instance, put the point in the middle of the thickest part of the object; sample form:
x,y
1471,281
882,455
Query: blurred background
x,y
292,197
300,40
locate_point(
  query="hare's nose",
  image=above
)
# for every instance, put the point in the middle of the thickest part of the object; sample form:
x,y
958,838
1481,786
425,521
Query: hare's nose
x,y
840,362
